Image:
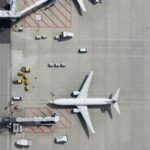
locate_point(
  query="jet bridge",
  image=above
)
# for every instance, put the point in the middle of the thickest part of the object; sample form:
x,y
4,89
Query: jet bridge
x,y
12,14
39,120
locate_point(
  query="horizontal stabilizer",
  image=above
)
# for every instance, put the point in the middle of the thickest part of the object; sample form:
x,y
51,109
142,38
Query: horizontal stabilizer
x,y
116,95
116,106
115,99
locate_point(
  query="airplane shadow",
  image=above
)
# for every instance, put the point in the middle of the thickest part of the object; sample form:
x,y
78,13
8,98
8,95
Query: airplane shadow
x,y
78,8
62,39
106,108
91,1
5,24
84,80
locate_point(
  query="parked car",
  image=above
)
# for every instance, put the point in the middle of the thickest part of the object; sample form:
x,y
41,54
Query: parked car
x,y
51,65
62,65
57,65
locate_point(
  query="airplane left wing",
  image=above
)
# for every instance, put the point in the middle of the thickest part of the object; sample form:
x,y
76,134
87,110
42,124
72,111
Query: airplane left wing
x,y
84,90
81,3
85,115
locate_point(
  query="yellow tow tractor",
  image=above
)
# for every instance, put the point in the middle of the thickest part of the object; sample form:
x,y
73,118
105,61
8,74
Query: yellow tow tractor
x,y
20,73
26,82
26,69
25,77
18,81
26,88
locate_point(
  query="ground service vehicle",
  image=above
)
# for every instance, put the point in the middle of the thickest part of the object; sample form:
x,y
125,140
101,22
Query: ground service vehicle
x,y
24,142
18,81
82,50
26,69
61,139
16,98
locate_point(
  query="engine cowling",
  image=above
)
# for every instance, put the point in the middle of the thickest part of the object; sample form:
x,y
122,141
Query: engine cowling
x,y
75,93
75,110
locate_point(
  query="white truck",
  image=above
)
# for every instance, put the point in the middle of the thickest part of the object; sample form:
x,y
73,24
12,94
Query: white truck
x,y
64,35
24,142
61,139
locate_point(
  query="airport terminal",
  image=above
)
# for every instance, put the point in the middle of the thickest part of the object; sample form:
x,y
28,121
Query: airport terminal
x,y
75,74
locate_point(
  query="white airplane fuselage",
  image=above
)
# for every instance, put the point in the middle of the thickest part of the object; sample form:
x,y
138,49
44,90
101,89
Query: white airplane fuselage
x,y
82,101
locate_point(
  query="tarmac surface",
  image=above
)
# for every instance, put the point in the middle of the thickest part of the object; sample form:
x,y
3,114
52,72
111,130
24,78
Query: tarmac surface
x,y
5,76
116,34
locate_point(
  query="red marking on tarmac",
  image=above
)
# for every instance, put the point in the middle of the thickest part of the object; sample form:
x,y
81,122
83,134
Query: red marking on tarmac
x,y
26,22
62,14
57,17
63,124
32,129
49,18
44,14
64,116
42,112
41,129
47,25
68,2
33,112
50,112
67,110
64,7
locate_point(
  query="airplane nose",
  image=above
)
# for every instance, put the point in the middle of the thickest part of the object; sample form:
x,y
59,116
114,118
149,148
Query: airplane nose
x,y
51,102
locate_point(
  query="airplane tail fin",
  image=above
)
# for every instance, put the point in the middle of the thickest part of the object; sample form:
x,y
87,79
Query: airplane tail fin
x,y
115,100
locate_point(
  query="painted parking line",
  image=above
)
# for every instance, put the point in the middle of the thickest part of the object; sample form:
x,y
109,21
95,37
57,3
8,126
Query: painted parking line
x,y
56,16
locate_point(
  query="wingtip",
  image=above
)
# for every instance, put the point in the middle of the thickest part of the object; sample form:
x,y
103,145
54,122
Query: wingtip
x,y
93,131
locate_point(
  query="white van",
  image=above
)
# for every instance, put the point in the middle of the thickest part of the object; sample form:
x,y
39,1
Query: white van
x,y
61,139
83,50
17,98
24,142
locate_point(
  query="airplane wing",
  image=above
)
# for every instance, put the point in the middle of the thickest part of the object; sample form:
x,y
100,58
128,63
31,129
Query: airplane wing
x,y
81,3
85,115
84,90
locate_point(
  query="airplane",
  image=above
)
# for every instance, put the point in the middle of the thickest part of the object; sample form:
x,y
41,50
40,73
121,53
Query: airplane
x,y
81,102
82,6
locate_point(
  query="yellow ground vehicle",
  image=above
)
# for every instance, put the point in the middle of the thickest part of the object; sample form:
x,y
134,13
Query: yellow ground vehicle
x,y
27,88
25,77
20,73
18,81
26,82
26,69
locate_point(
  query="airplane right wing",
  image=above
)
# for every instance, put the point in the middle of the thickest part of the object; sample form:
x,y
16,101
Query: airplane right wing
x,y
85,115
84,90
81,3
